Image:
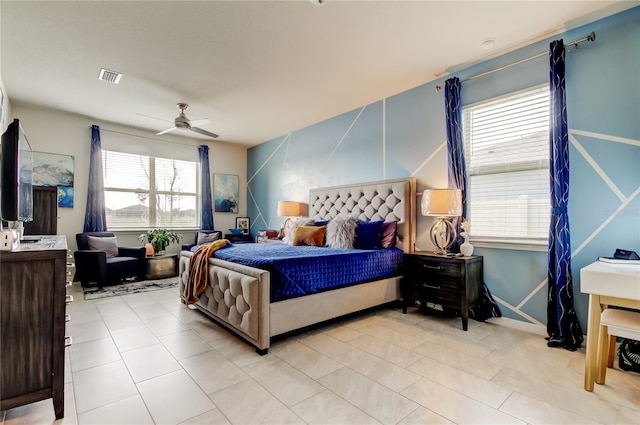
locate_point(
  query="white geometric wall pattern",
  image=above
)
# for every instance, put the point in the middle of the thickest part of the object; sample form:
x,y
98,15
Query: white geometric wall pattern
x,y
352,148
403,135
624,187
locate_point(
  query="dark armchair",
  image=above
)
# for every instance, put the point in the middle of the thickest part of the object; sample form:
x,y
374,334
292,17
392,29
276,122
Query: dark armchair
x,y
100,260
202,236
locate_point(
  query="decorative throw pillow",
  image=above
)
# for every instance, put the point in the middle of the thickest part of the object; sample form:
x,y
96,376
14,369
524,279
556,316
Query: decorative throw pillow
x,y
368,234
107,244
341,231
291,227
309,235
388,234
204,237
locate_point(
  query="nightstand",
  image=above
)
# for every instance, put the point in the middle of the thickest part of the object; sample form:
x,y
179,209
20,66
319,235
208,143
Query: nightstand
x,y
454,282
238,238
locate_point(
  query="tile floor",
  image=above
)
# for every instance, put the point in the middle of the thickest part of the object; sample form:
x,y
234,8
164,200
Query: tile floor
x,y
146,358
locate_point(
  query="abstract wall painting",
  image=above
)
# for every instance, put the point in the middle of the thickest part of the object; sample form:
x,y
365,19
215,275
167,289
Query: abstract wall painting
x,y
50,169
225,193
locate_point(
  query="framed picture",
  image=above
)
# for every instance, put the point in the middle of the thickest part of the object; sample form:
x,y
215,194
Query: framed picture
x,y
243,223
225,193
51,169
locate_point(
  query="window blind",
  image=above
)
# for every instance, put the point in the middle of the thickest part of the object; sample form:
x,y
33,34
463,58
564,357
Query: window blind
x,y
507,154
143,191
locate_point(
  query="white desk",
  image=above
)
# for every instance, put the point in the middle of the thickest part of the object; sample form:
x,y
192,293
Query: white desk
x,y
607,284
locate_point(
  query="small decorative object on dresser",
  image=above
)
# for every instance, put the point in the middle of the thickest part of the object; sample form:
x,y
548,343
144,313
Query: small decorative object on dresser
x,y
466,248
454,282
244,224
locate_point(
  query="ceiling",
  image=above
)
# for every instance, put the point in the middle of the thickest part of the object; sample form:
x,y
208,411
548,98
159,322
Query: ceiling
x,y
257,69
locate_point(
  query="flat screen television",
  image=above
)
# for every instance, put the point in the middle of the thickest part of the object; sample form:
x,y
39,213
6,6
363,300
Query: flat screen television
x,y
16,175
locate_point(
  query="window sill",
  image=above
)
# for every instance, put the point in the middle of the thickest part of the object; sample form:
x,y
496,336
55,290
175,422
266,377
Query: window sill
x,y
519,245
144,229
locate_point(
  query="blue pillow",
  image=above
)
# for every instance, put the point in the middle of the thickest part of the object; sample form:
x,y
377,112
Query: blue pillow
x,y
368,234
321,222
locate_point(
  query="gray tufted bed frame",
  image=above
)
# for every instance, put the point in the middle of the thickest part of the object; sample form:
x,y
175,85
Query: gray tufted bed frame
x,y
238,297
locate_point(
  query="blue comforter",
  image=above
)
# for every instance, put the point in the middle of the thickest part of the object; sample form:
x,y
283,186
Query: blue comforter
x,y
301,270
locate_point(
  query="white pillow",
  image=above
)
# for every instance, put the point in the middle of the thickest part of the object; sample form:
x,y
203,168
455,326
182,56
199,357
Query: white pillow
x,y
341,232
205,237
107,244
291,228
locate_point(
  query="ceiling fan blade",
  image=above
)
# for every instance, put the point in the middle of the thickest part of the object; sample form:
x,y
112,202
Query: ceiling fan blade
x,y
205,132
165,131
200,123
155,118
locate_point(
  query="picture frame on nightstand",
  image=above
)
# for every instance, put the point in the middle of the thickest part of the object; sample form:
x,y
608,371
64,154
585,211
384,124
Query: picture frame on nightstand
x,y
244,224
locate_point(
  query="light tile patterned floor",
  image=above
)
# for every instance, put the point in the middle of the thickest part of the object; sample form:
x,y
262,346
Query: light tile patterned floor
x,y
146,358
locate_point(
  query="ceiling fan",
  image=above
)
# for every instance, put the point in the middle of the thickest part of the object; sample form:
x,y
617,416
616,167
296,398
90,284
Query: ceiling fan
x,y
181,122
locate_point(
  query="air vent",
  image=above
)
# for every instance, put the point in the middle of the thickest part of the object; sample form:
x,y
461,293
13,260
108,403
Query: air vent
x,y
109,76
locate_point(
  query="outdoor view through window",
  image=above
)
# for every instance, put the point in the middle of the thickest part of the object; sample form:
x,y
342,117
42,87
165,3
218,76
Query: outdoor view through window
x,y
143,191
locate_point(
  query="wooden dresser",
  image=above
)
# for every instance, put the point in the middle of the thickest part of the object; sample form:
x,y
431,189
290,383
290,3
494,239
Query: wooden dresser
x,y
32,323
45,212
452,282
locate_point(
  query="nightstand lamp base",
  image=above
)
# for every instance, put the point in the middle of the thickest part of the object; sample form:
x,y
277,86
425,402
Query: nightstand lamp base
x,y
442,235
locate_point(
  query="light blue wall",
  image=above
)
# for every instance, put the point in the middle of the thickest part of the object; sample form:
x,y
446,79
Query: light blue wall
x,y
404,135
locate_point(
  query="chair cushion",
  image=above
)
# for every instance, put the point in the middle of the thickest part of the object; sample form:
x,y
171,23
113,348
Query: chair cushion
x,y
106,244
622,323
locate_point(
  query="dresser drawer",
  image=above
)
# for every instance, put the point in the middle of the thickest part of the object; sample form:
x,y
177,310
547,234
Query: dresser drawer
x,y
426,266
432,292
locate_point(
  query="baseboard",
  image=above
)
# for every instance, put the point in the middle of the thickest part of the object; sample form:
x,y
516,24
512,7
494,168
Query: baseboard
x,y
517,324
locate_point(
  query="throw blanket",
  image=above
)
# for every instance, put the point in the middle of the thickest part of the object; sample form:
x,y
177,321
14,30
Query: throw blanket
x,y
198,277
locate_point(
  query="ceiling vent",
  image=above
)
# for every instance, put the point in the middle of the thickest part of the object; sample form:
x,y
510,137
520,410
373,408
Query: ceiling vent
x,y
109,76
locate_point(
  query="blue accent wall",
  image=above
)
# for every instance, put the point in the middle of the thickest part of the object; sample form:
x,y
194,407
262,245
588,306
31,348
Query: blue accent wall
x,y
404,135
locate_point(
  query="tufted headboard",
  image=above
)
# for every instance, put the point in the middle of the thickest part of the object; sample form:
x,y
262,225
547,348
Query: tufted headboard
x,y
389,200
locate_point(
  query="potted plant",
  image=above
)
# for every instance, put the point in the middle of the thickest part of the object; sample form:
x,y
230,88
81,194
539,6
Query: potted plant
x,y
160,239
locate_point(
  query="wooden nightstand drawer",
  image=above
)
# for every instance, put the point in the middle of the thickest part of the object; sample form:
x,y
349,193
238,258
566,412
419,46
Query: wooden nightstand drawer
x,y
453,282
244,238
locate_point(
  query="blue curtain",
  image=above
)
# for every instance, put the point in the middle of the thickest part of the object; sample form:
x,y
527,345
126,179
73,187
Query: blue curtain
x,y
455,142
95,219
562,323
455,150
206,205
458,180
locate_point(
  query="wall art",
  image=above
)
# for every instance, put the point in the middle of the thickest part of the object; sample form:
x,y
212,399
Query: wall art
x,y
225,193
51,169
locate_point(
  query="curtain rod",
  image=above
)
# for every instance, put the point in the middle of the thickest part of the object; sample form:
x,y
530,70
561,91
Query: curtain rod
x,y
146,137
590,37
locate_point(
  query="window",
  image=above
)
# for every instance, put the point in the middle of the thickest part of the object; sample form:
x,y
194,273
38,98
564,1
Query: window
x,y
144,191
507,154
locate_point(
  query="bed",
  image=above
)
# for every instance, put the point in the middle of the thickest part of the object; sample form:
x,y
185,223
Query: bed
x,y
239,296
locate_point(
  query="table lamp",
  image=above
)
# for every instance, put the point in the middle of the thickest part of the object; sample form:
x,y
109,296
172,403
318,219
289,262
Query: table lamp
x,y
442,203
290,209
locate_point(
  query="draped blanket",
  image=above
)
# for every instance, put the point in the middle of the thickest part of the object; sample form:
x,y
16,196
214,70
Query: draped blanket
x,y
198,277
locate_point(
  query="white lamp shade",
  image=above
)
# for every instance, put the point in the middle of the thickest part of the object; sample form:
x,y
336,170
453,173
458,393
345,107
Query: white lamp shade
x,y
292,209
442,202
